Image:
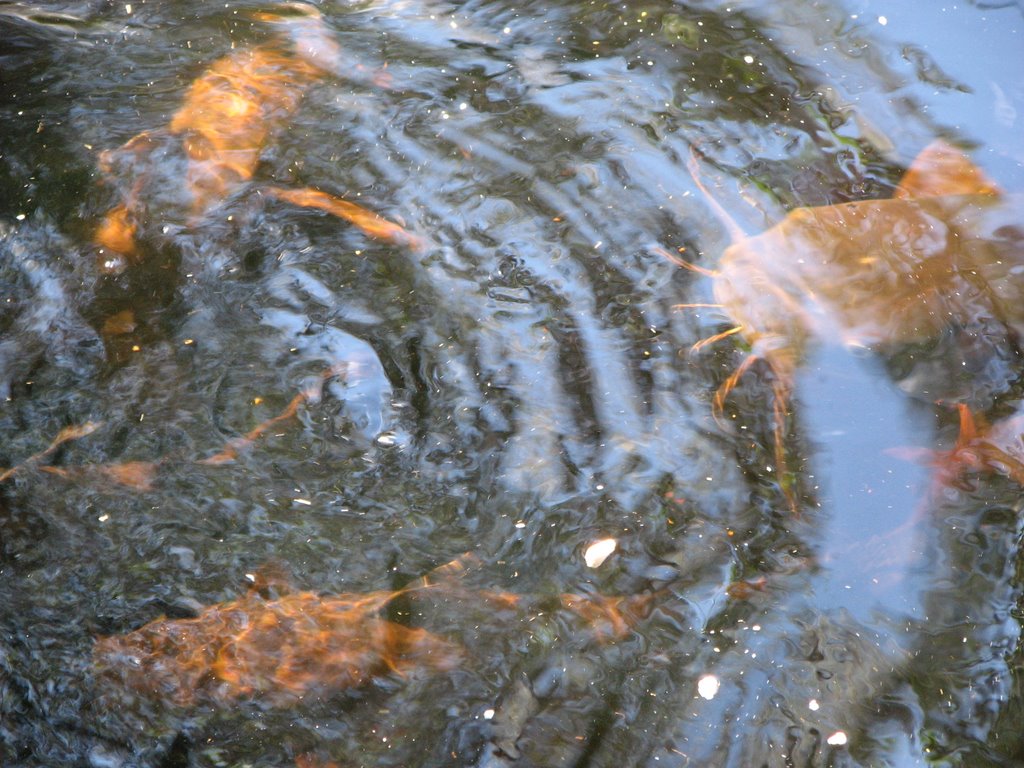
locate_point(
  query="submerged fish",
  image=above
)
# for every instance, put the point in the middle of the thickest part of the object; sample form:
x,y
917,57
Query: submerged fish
x,y
276,650
980,448
305,646
214,142
945,252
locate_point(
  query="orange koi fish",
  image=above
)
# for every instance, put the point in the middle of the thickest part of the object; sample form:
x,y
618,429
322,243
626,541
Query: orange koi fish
x,y
284,649
214,142
141,475
276,650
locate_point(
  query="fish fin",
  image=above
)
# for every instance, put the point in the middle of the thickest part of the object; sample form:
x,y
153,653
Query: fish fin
x,y
942,169
970,428
369,222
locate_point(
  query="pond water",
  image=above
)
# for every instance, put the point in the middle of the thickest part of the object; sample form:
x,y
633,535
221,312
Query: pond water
x,y
272,425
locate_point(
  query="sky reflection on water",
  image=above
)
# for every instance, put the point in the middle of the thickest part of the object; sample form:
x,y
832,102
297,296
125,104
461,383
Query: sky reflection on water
x,y
517,386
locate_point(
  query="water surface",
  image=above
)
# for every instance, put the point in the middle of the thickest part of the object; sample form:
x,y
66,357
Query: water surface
x,y
517,388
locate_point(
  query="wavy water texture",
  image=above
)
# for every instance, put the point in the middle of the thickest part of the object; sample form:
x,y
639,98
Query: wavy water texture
x,y
416,302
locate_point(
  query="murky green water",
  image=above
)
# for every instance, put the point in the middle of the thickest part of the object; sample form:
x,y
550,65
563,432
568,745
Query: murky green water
x,y
518,388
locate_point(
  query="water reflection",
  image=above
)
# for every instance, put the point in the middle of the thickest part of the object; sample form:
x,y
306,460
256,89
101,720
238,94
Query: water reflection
x,y
850,409
519,387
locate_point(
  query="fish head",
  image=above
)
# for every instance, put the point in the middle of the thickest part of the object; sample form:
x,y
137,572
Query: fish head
x,y
773,321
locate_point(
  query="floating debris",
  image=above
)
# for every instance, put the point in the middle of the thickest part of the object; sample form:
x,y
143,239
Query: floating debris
x,y
707,687
598,552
